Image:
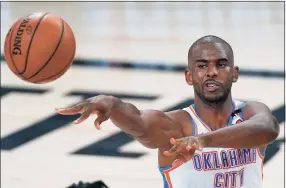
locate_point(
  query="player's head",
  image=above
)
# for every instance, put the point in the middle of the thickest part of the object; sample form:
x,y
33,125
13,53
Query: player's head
x,y
211,69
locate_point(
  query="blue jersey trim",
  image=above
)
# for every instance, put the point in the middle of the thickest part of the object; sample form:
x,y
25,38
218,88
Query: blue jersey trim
x,y
162,169
231,117
194,128
229,120
262,153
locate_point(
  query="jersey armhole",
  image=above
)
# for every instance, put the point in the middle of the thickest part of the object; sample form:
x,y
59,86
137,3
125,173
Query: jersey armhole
x,y
240,108
194,125
194,128
162,169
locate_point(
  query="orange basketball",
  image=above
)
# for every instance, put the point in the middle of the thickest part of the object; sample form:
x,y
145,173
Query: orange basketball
x,y
40,47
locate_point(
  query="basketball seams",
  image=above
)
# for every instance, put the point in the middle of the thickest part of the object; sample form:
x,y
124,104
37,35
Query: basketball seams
x,y
57,46
30,44
55,75
64,69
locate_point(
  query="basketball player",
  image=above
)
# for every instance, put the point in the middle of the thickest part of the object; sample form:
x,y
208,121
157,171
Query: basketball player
x,y
215,142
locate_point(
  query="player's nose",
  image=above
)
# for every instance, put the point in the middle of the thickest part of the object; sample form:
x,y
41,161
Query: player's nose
x,y
212,71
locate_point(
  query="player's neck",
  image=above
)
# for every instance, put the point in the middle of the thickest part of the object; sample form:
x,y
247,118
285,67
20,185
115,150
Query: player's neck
x,y
215,115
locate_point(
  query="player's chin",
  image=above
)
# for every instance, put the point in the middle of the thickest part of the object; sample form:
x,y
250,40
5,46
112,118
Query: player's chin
x,y
213,97
213,94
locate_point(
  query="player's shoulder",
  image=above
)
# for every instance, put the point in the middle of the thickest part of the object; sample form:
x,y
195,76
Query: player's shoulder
x,y
181,117
251,108
254,104
178,115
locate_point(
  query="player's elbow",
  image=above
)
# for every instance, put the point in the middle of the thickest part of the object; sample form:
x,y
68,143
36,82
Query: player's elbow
x,y
150,141
153,139
273,129
272,135
276,127
151,145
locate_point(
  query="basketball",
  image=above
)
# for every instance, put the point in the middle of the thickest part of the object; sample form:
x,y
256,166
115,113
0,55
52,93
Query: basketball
x,y
39,48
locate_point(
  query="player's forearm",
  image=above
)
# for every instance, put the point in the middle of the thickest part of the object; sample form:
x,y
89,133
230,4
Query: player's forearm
x,y
255,132
127,117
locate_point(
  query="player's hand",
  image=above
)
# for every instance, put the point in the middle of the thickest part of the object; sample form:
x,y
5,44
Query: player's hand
x,y
100,105
184,149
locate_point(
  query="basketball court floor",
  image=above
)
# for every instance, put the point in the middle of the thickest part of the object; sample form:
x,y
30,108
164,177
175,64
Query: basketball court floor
x,y
136,51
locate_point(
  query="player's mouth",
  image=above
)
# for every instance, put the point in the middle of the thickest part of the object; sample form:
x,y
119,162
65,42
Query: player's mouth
x,y
211,86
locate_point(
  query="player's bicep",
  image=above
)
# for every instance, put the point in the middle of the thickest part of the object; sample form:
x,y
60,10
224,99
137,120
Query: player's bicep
x,y
159,129
261,115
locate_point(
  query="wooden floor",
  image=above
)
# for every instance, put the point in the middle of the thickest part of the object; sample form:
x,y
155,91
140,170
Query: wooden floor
x,y
42,149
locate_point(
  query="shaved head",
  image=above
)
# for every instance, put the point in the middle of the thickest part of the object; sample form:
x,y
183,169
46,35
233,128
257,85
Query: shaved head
x,y
209,39
210,58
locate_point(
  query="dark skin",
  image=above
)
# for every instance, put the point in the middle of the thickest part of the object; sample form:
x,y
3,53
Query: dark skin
x,y
171,132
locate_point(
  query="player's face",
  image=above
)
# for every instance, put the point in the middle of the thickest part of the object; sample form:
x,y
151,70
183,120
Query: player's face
x,y
212,72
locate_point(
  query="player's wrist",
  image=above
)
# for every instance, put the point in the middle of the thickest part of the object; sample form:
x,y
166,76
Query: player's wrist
x,y
114,103
203,141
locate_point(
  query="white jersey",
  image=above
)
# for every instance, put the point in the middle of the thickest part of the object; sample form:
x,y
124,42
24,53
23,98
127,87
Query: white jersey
x,y
217,167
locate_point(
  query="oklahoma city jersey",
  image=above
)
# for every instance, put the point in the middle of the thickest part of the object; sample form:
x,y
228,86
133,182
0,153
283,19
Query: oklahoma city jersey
x,y
217,167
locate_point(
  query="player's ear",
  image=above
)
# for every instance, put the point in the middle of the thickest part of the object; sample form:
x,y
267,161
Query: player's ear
x,y
188,76
235,74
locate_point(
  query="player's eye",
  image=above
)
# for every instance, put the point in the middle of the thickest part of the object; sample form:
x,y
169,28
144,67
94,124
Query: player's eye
x,y
202,65
222,65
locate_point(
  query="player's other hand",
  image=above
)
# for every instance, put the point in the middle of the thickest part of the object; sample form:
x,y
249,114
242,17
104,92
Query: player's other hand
x,y
183,148
100,105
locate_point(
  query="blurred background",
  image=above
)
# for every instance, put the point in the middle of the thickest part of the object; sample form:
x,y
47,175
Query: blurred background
x,y
135,51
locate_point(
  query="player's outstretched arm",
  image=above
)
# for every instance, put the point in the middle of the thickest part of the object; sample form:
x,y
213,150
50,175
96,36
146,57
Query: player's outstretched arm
x,y
259,128
151,128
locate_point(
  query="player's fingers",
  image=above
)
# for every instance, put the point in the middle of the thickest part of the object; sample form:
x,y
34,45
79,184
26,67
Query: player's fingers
x,y
190,154
173,141
171,151
178,141
179,146
191,146
84,115
177,149
75,109
99,120
196,146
